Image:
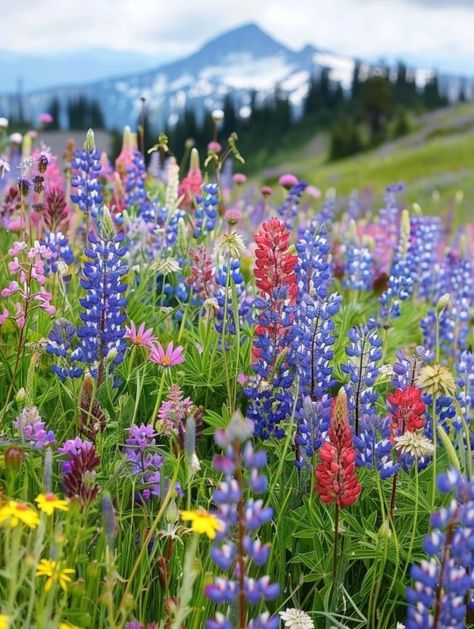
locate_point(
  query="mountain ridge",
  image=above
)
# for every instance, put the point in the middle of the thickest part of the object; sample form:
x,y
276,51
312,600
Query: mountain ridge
x,y
239,63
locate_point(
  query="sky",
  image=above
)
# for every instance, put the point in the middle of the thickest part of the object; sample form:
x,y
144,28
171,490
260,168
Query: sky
x,y
436,33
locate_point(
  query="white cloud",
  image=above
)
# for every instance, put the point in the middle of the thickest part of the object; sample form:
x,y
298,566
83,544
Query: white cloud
x,y
442,30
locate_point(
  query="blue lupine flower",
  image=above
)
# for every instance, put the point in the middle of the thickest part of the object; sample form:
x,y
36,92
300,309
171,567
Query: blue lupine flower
x,y
226,306
401,282
289,209
406,367
206,214
456,279
358,271
425,234
443,583
58,244
102,319
88,190
241,517
315,336
59,344
373,445
365,352
135,192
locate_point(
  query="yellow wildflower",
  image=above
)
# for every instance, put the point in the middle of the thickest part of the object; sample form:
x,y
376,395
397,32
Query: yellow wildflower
x,y
13,513
52,569
66,625
49,502
4,621
203,523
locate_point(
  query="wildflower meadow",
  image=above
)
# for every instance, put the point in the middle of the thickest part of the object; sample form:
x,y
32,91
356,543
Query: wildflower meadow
x,y
227,404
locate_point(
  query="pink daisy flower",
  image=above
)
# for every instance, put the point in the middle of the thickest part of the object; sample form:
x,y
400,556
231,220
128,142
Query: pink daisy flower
x,y
140,337
169,358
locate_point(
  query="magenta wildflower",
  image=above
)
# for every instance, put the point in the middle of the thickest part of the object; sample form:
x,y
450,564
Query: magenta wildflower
x,y
214,147
140,337
45,118
170,357
174,411
288,181
239,178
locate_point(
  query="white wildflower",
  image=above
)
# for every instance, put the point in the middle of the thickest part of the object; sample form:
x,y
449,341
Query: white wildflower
x,y
414,444
230,246
296,619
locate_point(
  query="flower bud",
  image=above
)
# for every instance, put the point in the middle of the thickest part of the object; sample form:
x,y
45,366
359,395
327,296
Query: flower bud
x,y
3,122
20,396
14,457
48,471
107,227
217,115
384,532
172,513
190,438
109,519
443,303
111,355
89,142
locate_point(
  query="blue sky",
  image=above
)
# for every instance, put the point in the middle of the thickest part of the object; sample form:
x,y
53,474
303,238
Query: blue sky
x,y
436,33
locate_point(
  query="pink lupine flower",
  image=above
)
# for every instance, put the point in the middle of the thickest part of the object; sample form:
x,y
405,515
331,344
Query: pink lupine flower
x,y
170,358
191,185
4,316
11,289
140,337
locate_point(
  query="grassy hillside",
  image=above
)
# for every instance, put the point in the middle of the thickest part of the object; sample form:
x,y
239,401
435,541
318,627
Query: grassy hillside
x,y
436,159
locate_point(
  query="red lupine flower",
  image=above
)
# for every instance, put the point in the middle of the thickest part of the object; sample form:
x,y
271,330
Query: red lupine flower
x,y
406,411
336,478
274,266
275,277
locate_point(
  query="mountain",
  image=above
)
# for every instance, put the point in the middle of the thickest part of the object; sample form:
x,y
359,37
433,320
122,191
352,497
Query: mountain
x,y
36,72
240,62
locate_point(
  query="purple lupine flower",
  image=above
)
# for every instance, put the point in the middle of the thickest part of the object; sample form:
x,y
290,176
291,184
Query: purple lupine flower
x,y
145,463
241,517
86,167
443,583
102,331
33,429
79,470
365,353
386,237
